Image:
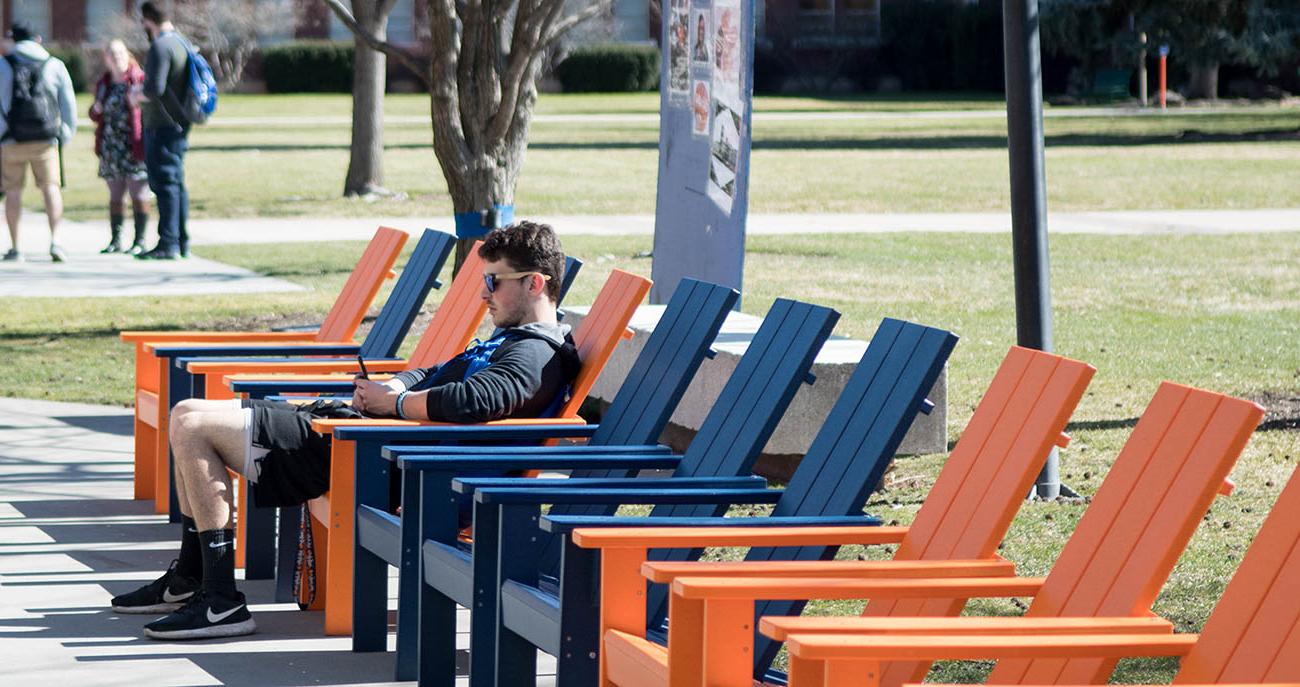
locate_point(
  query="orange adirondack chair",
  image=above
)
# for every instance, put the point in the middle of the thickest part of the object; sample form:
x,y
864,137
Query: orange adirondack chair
x,y
1252,637
450,330
334,514
151,476
956,532
1114,564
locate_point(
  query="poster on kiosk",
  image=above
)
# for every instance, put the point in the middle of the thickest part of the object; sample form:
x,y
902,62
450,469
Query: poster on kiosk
x,y
705,108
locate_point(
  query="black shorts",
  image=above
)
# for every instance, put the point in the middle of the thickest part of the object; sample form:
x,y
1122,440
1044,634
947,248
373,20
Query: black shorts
x,y
296,467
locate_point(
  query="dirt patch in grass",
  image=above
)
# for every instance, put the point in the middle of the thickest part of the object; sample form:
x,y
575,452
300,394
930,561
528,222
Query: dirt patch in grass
x,y
1282,411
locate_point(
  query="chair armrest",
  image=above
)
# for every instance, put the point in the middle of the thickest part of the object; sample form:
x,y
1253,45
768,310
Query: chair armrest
x,y
187,350
215,337
207,366
447,451
558,462
780,627
912,647
665,572
397,431
469,485
264,387
802,588
557,524
621,496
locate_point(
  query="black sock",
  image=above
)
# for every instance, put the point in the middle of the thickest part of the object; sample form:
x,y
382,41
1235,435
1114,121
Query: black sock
x,y
141,219
190,563
218,547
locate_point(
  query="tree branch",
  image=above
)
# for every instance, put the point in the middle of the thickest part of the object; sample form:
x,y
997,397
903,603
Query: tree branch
x,y
409,60
568,23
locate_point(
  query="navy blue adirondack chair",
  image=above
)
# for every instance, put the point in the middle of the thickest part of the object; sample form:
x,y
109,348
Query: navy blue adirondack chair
x,y
730,439
418,277
633,421
845,462
261,561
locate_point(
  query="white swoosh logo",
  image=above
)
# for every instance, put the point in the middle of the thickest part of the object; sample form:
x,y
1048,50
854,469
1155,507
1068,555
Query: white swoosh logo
x,y
173,598
218,544
218,617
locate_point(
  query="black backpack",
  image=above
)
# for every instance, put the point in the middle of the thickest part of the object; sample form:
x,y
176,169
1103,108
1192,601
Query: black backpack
x,y
34,109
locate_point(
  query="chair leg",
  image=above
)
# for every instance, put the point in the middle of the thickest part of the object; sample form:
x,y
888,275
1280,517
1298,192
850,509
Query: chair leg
x,y
516,660
369,571
437,639
286,553
259,538
409,581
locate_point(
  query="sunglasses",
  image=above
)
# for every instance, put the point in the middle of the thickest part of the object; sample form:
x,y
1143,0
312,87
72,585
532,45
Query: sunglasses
x,y
491,280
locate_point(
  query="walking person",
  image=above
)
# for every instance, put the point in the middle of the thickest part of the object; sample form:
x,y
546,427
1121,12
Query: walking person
x,y
39,116
119,144
166,131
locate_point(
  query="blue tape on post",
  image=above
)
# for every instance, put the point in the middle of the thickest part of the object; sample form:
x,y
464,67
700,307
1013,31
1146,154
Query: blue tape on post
x,y
470,224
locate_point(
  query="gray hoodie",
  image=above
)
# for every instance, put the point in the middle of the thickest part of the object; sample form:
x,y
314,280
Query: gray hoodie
x,y
56,76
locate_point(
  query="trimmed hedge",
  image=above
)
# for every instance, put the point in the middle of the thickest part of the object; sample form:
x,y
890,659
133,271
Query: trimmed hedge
x,y
308,67
610,68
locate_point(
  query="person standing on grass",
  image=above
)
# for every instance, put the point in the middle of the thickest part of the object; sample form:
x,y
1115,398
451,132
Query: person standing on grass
x,y
119,144
37,116
523,371
166,131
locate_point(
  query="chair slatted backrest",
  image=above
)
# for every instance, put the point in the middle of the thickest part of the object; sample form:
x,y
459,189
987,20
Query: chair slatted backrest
x,y
1126,544
746,414
1253,635
457,318
972,503
664,368
418,276
572,266
747,410
856,443
605,325
362,285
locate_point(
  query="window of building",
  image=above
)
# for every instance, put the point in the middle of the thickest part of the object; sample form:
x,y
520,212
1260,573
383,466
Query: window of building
x,y
401,22
34,13
102,19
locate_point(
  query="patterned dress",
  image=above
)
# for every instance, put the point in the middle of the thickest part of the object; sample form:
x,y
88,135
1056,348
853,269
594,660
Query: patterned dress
x,y
116,161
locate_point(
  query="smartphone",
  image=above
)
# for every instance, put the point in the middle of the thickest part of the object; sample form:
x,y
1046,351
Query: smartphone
x,y
365,374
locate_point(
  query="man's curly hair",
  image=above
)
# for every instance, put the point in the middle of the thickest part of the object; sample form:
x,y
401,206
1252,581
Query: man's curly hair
x,y
528,246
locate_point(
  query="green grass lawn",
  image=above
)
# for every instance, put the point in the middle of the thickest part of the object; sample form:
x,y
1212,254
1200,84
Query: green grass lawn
x,y
1221,312
881,160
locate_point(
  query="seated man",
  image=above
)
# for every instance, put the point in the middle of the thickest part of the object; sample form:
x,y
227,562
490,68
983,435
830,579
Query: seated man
x,y
520,372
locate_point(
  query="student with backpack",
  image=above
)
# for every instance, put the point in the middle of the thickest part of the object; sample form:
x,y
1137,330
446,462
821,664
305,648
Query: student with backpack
x,y
173,73
37,116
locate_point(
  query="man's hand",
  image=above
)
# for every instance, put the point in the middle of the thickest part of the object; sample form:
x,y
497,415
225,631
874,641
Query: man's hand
x,y
375,398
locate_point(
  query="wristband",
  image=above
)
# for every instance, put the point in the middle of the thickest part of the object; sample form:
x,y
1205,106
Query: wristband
x,y
401,397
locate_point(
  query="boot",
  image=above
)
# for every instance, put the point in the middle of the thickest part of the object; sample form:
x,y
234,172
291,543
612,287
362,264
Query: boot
x,y
141,223
114,243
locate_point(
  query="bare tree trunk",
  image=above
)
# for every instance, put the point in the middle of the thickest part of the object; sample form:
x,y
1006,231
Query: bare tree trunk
x,y
481,72
1204,81
366,164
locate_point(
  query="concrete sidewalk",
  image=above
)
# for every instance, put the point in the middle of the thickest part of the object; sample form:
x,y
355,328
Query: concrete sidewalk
x,y
87,273
71,538
82,238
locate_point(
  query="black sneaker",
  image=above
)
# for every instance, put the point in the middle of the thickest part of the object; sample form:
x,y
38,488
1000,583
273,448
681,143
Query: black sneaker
x,y
159,253
205,616
163,595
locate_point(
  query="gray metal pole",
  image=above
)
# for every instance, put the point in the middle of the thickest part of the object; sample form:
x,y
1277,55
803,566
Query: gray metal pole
x,y
1028,193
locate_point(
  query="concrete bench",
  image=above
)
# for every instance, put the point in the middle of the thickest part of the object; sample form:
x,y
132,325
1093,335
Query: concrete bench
x,y
929,433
